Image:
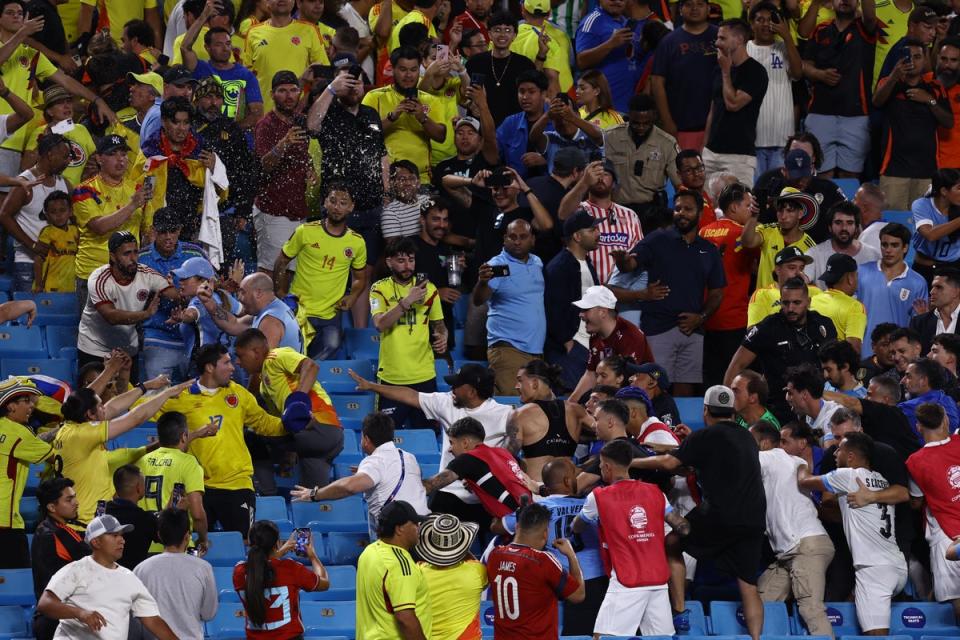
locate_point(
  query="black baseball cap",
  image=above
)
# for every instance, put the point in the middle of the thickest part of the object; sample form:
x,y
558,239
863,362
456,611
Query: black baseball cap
x,y
791,253
179,75
120,238
284,77
111,143
397,514
838,265
578,221
568,159
471,374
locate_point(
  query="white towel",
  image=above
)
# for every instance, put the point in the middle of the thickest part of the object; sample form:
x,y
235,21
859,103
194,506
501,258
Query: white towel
x,y
209,235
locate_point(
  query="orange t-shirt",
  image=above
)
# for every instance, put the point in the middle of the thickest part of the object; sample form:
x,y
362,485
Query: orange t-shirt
x,y
738,267
948,151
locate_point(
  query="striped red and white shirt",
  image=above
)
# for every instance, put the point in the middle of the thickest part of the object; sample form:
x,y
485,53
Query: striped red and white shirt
x,y
620,230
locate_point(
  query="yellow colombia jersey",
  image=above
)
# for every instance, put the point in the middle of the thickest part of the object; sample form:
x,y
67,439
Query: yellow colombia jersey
x,y
269,49
388,580
163,468
406,356
407,139
69,15
279,378
80,453
116,13
324,262
19,448
22,72
81,148
765,301
447,99
94,198
605,119
415,16
772,243
848,314
60,265
558,50
456,617
224,457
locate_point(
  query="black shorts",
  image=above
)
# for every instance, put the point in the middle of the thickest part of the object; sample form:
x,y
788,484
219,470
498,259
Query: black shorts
x,y
735,550
234,509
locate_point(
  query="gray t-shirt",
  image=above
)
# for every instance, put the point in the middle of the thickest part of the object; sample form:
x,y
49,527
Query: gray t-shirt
x,y
184,589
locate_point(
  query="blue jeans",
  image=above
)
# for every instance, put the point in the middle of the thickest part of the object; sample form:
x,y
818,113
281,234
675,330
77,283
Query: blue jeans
x,y
768,158
162,361
23,276
326,343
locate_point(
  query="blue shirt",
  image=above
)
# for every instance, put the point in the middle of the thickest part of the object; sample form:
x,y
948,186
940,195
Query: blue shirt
x,y
909,408
555,142
513,140
887,301
516,314
688,269
156,331
151,122
209,331
237,82
563,510
945,249
292,337
687,62
622,72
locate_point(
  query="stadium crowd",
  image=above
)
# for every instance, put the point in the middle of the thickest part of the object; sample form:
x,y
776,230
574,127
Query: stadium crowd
x,y
559,222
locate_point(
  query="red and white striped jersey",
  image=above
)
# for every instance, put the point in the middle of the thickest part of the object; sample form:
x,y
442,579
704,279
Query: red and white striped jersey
x,y
620,230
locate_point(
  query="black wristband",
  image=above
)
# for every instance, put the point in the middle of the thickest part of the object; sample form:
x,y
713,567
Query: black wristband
x,y
142,388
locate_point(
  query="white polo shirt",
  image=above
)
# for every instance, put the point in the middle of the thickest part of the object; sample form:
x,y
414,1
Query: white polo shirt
x,y
791,516
385,468
491,414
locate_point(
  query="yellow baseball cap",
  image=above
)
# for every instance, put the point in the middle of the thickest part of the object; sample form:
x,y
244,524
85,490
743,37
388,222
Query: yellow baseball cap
x,y
149,78
541,7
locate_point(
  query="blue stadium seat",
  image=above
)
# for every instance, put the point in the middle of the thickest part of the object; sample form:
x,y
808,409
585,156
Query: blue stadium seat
x,y
21,342
348,514
698,621
33,479
509,400
459,363
226,548
223,576
351,448
893,637
353,406
442,369
619,637
903,217
343,586
849,186
13,624
335,379
230,622
6,282
55,368
429,470
362,343
16,587
272,508
52,302
420,442
30,511
352,422
59,337
486,617
139,437
691,412
917,619
344,469
334,617
842,617
345,548
726,618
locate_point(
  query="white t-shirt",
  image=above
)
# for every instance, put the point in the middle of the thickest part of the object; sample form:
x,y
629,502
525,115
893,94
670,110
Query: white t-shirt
x,y
870,530
97,336
822,252
384,468
870,237
791,516
29,215
114,593
491,414
586,281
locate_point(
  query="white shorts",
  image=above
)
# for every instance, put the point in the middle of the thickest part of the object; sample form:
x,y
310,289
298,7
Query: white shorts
x,y
875,587
946,573
624,610
272,233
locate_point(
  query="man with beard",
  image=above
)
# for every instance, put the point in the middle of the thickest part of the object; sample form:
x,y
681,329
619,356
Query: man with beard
x,y
408,316
786,339
948,75
407,114
693,177
944,309
122,295
913,109
792,207
280,141
516,321
695,283
433,259
788,263
222,135
620,228
505,186
566,279
237,82
329,254
844,221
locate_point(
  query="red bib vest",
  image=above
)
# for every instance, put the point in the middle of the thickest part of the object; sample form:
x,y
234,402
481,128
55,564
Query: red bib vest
x,y
936,470
504,468
631,532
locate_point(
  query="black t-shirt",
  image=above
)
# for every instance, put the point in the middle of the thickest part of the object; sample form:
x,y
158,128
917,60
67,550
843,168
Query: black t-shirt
x,y
888,463
910,132
352,149
463,220
549,192
468,467
780,345
500,81
888,425
52,36
492,226
665,408
727,462
736,131
432,261
826,192
851,52
136,542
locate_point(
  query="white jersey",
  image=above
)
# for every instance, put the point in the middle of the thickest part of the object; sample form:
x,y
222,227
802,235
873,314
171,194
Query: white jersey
x,y
29,215
619,231
870,530
791,516
775,122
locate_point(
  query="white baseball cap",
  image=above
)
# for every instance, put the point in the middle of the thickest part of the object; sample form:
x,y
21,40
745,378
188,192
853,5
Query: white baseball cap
x,y
105,524
597,296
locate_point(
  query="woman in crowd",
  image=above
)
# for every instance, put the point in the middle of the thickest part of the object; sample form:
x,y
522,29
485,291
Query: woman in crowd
x,y
612,371
596,101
